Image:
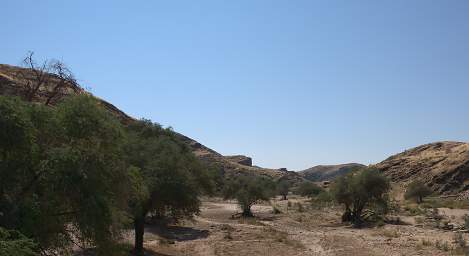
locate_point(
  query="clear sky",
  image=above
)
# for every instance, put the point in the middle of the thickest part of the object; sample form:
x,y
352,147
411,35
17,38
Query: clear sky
x,y
290,83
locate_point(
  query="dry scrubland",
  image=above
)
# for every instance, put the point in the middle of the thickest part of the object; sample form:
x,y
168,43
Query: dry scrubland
x,y
305,230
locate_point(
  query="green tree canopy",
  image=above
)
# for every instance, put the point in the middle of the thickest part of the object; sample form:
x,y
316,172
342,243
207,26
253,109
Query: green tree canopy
x,y
168,179
283,187
61,168
417,190
248,190
359,190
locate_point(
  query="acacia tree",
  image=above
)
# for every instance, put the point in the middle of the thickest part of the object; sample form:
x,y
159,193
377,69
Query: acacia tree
x,y
417,190
61,168
359,190
249,191
167,178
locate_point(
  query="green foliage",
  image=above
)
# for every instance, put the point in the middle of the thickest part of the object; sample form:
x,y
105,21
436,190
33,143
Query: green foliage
x,y
166,177
283,187
14,243
61,169
366,188
309,189
417,190
248,190
169,175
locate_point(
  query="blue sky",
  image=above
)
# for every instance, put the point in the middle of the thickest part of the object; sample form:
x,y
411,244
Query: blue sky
x,y
290,83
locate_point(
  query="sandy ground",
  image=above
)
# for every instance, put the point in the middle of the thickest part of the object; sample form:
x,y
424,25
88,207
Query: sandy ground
x,y
310,232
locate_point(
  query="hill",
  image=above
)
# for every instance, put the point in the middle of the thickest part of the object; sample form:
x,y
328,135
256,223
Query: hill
x,y
443,166
328,172
18,81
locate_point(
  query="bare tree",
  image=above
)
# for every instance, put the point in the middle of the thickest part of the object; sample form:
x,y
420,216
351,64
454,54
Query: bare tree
x,y
64,76
49,79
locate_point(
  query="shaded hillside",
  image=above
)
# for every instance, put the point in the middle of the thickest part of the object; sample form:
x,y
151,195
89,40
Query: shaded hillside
x,y
14,80
443,166
328,172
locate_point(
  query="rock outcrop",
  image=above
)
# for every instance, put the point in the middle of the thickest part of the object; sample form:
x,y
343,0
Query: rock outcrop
x,y
240,159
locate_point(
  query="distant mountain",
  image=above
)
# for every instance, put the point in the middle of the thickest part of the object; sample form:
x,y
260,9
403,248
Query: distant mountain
x,y
443,166
328,172
14,79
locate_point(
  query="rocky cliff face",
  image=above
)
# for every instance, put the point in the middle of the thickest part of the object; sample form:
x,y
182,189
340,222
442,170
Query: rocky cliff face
x,y
12,84
443,166
328,172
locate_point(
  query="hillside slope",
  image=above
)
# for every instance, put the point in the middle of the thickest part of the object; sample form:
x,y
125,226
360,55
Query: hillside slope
x,y
14,79
443,166
328,172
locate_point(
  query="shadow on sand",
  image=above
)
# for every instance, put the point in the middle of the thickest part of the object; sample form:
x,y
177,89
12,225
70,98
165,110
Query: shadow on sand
x,y
91,252
177,233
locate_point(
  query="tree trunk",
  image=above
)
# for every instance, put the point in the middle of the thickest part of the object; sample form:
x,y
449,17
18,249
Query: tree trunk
x,y
284,197
139,225
419,199
247,212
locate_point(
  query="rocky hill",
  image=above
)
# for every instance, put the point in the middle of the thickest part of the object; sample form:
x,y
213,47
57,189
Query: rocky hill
x,y
443,166
16,81
328,172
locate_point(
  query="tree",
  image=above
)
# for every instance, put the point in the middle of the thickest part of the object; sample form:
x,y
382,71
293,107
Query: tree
x,y
14,243
283,187
167,178
359,190
249,190
417,190
309,189
61,168
49,80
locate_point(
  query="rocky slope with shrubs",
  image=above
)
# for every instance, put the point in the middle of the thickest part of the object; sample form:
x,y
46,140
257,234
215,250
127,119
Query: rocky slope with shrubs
x,y
328,172
442,166
14,79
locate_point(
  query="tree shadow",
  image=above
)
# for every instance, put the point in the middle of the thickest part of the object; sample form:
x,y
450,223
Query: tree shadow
x,y
152,253
177,233
91,252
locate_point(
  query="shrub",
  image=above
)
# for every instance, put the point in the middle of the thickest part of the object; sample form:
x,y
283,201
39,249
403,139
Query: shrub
x,y
466,221
459,240
366,188
309,189
417,190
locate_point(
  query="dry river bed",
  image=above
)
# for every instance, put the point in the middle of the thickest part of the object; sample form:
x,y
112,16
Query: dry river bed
x,y
290,233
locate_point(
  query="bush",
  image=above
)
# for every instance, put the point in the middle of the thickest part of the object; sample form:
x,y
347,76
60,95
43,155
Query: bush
x,y
366,188
309,189
249,191
459,240
417,190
